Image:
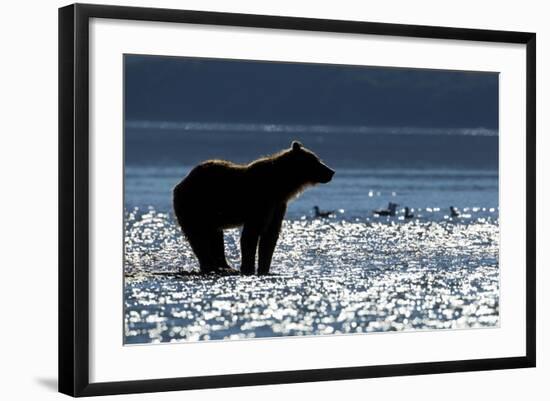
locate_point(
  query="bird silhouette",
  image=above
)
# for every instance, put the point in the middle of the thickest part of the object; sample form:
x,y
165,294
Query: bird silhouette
x,y
454,211
390,211
322,213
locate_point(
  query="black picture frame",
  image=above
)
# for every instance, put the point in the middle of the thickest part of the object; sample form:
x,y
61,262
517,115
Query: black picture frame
x,y
74,198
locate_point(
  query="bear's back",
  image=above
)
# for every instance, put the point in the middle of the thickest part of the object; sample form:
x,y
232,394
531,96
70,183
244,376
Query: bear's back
x,y
210,180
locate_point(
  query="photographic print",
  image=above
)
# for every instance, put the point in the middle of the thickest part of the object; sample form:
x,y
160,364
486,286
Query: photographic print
x,y
242,188
267,199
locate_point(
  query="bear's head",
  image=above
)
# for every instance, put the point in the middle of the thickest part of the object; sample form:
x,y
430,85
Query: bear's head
x,y
308,165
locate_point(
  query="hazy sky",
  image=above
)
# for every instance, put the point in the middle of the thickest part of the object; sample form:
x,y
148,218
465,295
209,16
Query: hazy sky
x,y
228,91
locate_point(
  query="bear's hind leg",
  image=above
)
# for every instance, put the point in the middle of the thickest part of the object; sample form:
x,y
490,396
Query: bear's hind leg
x,y
219,251
202,242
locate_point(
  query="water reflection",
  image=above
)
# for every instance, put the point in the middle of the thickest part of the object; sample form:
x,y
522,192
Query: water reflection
x,y
331,276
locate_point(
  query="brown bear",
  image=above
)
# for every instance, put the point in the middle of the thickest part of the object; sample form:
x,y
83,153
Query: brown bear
x,y
218,194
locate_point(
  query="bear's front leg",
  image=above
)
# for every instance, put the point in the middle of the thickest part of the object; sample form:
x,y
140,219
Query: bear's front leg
x,y
249,243
268,240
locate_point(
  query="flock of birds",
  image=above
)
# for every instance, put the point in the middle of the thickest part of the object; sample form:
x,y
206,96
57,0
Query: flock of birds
x,y
390,211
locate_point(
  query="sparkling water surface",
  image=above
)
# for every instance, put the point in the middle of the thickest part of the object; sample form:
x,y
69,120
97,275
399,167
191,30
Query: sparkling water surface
x,y
329,276
351,273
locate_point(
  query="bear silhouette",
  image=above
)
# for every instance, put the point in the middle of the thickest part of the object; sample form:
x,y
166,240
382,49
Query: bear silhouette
x,y
219,194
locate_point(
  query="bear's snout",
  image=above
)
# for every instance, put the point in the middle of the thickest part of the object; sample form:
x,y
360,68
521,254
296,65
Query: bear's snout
x,y
326,174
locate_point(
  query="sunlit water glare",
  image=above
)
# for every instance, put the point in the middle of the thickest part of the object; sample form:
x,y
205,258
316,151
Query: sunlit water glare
x,y
329,276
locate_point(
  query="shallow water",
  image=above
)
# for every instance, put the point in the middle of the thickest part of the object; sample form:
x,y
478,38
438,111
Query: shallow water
x,y
353,191
352,273
329,276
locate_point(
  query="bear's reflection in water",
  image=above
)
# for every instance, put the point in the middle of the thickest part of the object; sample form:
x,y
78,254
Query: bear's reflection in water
x,y
328,277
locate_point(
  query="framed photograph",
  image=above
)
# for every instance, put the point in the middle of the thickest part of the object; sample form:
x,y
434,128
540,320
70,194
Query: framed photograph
x,y
250,199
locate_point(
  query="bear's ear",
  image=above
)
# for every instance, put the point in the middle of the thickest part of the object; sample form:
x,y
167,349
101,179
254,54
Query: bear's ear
x,y
296,145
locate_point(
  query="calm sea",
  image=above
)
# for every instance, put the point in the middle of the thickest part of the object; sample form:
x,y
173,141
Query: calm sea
x,y
418,170
351,273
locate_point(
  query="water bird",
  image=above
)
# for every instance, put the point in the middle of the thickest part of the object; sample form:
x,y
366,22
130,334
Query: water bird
x,y
454,211
322,213
408,214
390,211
